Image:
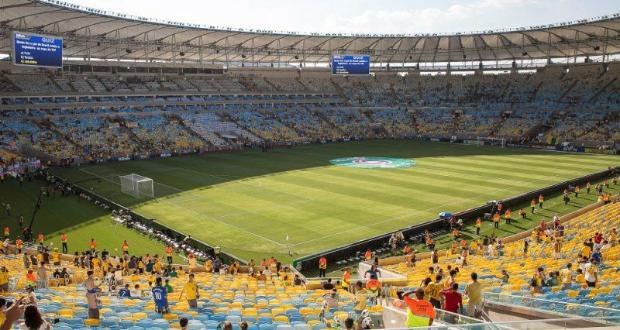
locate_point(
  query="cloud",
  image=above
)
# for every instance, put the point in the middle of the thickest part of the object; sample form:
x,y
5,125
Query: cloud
x,y
424,20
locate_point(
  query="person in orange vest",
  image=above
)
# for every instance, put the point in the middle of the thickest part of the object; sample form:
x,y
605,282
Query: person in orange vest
x,y
478,225
456,233
541,200
125,247
429,242
407,250
322,266
507,216
533,205
368,255
40,238
19,244
93,245
496,220
169,252
63,240
373,286
7,232
455,248
346,280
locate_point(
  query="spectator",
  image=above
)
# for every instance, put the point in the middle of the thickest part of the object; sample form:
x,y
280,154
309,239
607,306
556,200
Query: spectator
x,y
453,301
420,313
360,297
183,323
124,292
91,296
33,319
474,292
349,324
328,285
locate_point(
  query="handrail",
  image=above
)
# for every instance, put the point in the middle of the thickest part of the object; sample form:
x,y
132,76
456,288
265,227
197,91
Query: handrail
x,y
518,324
605,310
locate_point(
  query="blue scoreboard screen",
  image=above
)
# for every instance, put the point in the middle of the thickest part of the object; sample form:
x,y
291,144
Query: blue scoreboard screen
x,y
37,50
351,64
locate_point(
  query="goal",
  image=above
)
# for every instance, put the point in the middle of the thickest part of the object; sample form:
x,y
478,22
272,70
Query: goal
x,y
137,186
489,141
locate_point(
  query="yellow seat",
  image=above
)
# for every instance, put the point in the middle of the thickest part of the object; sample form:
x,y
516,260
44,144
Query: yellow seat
x,y
170,316
66,313
281,318
92,322
139,316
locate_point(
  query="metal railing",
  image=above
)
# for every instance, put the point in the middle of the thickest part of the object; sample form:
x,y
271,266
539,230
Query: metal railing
x,y
556,307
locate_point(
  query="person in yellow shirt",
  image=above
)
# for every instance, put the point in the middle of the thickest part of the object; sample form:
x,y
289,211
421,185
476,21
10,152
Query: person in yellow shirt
x,y
478,225
586,251
191,292
435,292
474,293
157,267
361,297
96,263
473,247
566,276
56,257
135,277
4,280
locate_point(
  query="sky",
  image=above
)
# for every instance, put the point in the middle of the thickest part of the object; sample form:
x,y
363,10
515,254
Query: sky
x,y
363,16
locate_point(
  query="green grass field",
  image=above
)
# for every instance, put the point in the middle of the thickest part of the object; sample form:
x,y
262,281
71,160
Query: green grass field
x,y
248,202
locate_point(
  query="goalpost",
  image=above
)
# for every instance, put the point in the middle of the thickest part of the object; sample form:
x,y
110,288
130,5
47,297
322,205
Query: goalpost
x,y
137,185
489,141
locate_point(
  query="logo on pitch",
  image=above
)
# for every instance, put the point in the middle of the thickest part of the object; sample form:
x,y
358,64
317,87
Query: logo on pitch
x,y
373,162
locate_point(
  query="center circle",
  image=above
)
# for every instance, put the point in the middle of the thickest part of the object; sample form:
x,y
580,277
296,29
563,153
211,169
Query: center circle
x,y
373,162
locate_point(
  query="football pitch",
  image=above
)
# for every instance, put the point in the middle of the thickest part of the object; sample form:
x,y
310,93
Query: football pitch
x,y
257,204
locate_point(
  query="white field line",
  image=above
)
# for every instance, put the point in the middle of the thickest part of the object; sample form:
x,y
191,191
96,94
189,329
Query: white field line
x,y
112,175
196,213
437,207
357,227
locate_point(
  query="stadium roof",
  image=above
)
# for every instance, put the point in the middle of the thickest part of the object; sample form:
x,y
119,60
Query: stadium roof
x,y
91,33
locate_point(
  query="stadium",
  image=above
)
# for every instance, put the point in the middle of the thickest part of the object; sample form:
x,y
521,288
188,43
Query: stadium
x,y
305,181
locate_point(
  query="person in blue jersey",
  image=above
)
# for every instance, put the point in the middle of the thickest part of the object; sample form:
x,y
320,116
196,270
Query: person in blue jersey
x,y
160,297
124,292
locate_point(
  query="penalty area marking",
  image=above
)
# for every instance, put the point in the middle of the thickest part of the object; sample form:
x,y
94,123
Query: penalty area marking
x,y
193,211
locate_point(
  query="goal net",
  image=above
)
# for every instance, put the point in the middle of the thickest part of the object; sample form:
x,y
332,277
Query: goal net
x,y
137,185
489,141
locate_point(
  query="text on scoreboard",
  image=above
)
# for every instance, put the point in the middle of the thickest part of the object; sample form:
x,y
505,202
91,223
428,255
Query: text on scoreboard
x,y
37,50
350,64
